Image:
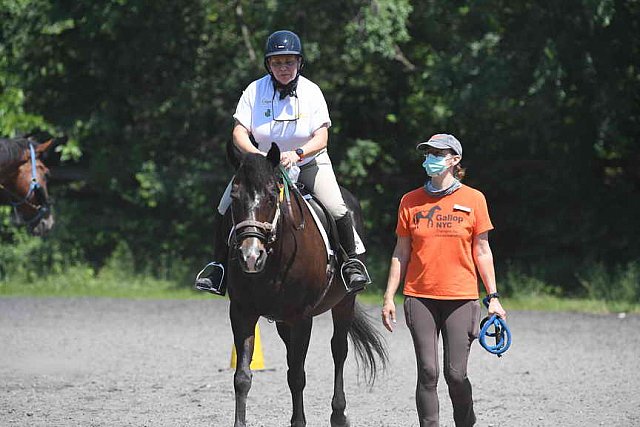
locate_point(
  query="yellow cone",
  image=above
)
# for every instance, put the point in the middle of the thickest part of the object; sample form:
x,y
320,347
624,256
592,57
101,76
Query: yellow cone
x,y
257,361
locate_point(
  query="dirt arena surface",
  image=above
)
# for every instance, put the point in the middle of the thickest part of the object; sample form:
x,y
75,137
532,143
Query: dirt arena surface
x,y
111,362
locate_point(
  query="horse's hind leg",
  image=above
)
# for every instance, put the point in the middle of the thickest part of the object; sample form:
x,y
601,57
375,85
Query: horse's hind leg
x,y
296,340
243,326
342,317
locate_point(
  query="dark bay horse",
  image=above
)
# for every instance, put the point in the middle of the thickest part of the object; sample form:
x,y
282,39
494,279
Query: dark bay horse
x,y
277,268
23,183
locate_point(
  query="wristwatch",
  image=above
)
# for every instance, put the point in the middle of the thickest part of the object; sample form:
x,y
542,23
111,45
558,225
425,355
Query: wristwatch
x,y
300,152
492,296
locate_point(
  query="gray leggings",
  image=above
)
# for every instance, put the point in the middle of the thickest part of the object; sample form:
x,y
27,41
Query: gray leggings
x,y
459,322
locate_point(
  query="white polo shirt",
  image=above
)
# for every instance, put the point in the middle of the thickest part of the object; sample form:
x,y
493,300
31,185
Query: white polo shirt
x,y
289,122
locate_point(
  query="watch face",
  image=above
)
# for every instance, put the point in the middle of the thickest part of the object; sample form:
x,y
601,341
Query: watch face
x,y
299,151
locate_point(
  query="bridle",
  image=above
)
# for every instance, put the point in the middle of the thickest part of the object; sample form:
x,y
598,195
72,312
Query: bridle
x,y
42,207
266,232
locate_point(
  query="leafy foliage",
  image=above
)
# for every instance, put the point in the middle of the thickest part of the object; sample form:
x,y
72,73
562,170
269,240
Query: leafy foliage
x,y
544,97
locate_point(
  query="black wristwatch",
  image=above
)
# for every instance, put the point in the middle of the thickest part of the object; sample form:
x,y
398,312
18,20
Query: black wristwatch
x,y
492,296
300,152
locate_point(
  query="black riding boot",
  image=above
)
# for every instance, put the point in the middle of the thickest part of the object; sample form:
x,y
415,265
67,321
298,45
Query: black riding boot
x,y
354,272
212,277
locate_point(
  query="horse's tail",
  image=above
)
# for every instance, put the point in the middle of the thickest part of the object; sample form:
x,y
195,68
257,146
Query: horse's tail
x,y
370,348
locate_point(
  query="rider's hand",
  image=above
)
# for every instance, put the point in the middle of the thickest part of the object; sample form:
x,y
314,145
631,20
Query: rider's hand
x,y
289,158
388,314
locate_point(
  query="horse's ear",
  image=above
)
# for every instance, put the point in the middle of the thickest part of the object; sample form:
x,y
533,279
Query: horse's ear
x,y
41,148
274,154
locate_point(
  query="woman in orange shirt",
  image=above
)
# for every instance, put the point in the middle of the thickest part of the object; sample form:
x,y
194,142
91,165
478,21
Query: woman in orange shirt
x,y
442,239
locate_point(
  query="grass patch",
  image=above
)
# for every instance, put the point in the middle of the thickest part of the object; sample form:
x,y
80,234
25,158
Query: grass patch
x,y
604,290
70,286
79,284
116,279
581,305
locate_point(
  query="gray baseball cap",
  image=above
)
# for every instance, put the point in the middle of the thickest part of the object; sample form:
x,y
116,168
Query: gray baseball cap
x,y
442,141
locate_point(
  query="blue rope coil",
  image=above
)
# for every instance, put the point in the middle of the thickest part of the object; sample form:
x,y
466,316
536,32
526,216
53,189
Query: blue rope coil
x,y
500,332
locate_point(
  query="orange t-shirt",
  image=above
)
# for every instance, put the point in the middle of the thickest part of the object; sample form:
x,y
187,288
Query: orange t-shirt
x,y
442,230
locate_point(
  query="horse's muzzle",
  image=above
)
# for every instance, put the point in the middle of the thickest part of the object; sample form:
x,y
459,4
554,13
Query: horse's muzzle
x,y
252,255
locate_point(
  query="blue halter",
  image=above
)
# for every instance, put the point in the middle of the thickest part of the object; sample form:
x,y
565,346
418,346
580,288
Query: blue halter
x,y
501,333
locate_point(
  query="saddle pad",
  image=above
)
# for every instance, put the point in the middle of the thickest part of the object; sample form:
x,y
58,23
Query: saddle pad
x,y
323,232
360,249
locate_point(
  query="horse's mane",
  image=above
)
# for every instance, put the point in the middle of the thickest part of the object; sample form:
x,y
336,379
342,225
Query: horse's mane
x,y
11,150
255,172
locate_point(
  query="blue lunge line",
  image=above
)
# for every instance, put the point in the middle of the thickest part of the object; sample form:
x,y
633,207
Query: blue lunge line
x,y
501,333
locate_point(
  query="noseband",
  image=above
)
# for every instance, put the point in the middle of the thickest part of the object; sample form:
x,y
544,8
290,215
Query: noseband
x,y
42,209
265,231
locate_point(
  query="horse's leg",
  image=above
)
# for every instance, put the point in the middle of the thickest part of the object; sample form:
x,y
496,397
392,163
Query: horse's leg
x,y
243,326
342,315
296,340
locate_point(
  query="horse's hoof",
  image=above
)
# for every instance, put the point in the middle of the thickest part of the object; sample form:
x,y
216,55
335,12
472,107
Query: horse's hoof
x,y
339,421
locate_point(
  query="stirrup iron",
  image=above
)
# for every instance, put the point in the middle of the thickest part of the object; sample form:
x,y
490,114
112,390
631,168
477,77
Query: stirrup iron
x,y
204,282
362,269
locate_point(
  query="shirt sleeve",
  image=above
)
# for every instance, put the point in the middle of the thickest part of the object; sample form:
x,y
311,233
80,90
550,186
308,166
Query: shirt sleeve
x,y
244,108
320,113
403,226
483,222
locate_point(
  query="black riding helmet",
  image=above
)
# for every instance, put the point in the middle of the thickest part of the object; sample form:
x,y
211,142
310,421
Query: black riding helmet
x,y
283,42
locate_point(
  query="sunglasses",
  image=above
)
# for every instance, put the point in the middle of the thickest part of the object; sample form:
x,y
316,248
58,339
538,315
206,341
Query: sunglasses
x,y
277,63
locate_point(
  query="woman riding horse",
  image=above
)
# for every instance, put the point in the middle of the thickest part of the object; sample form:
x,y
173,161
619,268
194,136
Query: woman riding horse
x,y
286,108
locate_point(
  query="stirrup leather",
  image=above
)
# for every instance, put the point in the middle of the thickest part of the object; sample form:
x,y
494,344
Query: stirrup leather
x,y
362,269
204,282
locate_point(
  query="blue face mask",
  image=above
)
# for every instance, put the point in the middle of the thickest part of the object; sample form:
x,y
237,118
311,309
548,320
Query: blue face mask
x,y
435,165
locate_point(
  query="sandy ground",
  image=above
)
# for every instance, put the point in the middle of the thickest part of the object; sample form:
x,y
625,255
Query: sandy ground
x,y
110,362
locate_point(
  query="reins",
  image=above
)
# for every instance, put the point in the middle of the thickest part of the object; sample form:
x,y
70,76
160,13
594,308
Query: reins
x,y
286,183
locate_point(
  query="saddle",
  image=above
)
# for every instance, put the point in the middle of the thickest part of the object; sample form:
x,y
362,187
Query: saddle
x,y
325,222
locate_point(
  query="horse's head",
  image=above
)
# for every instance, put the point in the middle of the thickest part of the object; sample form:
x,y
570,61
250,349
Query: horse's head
x,y
26,190
255,209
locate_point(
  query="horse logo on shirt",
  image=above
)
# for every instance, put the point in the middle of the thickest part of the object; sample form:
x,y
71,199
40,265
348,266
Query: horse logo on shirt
x,y
428,216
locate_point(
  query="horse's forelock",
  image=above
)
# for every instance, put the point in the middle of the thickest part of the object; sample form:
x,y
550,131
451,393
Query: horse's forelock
x,y
11,150
255,172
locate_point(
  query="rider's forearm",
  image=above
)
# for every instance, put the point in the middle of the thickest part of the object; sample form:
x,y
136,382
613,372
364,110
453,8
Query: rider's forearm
x,y
317,143
242,141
